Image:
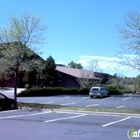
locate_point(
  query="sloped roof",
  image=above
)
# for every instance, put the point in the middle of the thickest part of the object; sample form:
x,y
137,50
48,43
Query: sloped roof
x,y
78,73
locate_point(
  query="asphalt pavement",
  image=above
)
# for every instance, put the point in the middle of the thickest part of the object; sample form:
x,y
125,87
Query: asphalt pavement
x,y
85,101
59,125
126,101
70,125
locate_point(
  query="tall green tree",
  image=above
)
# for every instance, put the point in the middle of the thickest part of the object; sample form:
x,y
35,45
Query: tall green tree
x,y
50,76
129,52
72,64
32,78
23,35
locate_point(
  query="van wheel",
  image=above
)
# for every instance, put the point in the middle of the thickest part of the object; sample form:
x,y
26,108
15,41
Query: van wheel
x,y
91,97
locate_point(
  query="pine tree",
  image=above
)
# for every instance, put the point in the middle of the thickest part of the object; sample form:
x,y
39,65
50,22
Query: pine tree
x,y
50,76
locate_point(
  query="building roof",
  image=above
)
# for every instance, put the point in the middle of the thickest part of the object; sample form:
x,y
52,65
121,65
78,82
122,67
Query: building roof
x,y
78,73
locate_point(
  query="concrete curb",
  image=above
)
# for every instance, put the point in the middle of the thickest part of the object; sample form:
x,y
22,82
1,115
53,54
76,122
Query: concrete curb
x,y
100,113
80,111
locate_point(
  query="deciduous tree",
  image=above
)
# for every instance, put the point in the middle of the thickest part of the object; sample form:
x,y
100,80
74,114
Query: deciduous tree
x,y
130,35
117,81
137,83
23,36
4,71
89,79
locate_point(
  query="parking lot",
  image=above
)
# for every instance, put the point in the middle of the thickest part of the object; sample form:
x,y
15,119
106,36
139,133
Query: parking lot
x,y
129,101
62,125
85,101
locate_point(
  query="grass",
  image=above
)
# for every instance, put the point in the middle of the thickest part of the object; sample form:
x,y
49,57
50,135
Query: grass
x,y
75,108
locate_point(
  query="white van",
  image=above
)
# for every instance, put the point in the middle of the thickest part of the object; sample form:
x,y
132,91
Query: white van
x,y
98,92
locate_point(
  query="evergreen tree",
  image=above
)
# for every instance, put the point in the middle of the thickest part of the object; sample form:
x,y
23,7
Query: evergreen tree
x,y
50,76
72,64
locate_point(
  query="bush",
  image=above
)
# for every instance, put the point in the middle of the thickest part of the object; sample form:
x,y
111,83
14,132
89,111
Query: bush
x,y
115,91
127,90
50,91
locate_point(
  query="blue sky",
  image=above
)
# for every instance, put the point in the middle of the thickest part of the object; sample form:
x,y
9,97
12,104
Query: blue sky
x,y
78,30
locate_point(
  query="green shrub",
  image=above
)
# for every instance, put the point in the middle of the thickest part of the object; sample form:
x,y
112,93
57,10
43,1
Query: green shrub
x,y
127,90
84,91
50,91
113,90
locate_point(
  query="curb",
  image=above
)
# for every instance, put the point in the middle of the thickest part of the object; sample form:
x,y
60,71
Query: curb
x,y
100,113
80,111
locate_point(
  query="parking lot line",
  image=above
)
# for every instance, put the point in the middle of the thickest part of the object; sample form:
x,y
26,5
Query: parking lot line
x,y
8,111
116,122
126,98
68,104
65,118
8,117
121,106
85,97
92,105
67,97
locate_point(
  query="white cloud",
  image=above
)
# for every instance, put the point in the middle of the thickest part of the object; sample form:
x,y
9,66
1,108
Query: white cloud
x,y
104,63
59,62
100,58
84,62
129,55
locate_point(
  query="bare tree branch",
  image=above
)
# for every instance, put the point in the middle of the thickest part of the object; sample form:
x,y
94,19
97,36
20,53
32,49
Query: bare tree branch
x,y
130,34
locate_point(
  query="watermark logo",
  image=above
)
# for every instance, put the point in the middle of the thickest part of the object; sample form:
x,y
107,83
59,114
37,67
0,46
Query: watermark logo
x,y
133,133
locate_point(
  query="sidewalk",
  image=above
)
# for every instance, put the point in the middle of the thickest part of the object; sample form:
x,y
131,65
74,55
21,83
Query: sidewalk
x,y
9,92
7,89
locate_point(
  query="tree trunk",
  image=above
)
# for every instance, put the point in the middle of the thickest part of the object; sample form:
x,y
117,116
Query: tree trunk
x,y
16,84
